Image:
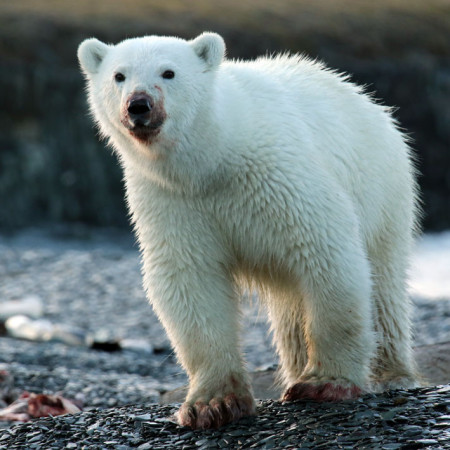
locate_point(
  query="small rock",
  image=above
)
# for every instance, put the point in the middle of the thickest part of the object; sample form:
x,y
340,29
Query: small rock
x,y
427,441
443,389
35,438
136,345
187,435
412,430
443,425
400,401
142,417
145,446
391,446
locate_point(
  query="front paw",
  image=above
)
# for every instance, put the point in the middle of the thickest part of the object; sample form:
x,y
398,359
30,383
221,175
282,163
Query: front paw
x,y
216,413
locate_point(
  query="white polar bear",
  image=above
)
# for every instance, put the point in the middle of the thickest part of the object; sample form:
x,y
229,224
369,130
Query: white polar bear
x,y
275,174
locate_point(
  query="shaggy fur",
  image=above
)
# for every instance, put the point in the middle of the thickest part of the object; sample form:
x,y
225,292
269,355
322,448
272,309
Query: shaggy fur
x,y
276,174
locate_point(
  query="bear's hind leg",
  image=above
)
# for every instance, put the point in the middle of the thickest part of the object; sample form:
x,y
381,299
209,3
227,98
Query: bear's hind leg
x,y
288,336
394,365
337,325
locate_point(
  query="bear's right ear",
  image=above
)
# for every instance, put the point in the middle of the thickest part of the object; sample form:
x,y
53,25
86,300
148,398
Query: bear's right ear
x,y
90,54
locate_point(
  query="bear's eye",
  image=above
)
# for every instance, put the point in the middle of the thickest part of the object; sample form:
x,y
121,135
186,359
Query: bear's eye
x,y
168,74
119,77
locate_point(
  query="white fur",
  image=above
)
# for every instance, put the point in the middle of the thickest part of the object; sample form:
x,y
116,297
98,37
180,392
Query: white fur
x,y
276,173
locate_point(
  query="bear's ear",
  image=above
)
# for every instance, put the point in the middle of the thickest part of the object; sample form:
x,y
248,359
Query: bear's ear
x,y
210,47
90,54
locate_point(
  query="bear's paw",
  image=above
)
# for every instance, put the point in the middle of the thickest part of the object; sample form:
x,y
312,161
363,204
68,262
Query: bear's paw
x,y
330,391
216,413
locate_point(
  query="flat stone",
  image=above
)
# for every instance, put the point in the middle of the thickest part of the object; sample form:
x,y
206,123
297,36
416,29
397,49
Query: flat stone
x,y
146,446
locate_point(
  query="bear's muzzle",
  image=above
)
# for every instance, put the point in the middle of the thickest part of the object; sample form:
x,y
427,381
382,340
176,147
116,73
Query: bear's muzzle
x,y
142,116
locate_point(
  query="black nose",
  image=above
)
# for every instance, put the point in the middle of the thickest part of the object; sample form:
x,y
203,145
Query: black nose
x,y
139,107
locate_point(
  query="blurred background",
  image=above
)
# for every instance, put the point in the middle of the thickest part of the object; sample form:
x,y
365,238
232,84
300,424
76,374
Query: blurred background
x,y
54,169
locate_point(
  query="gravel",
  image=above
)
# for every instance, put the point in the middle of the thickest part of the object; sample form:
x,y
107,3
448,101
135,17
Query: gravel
x,y
90,279
413,419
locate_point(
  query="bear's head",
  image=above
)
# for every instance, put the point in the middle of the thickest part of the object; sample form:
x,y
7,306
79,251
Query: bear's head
x,y
149,89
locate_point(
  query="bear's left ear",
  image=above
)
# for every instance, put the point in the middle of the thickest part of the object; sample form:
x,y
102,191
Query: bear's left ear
x,y
210,47
91,53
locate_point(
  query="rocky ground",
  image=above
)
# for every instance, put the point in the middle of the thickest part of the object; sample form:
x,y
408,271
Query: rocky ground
x,y
89,281
401,420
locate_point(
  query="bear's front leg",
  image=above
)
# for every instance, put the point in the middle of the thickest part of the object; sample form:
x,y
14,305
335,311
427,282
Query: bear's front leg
x,y
196,302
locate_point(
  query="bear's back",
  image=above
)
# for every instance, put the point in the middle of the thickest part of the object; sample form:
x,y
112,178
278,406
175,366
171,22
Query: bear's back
x,y
295,75
295,103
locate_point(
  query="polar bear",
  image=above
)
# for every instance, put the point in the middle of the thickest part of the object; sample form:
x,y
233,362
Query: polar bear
x,y
278,175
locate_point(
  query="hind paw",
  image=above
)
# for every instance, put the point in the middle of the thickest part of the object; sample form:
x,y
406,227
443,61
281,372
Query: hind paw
x,y
331,391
